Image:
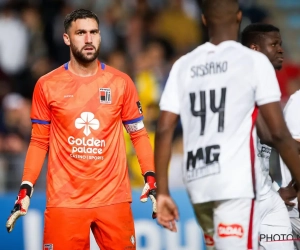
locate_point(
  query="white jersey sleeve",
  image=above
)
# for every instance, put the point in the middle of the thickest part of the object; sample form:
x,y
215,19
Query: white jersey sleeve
x,y
290,114
170,100
267,87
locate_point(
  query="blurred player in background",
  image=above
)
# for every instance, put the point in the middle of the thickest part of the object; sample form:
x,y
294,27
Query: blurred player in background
x,y
78,112
215,90
292,118
266,39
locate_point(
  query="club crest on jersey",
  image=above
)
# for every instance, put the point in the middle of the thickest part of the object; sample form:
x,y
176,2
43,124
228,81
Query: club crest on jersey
x,y
48,247
139,107
105,95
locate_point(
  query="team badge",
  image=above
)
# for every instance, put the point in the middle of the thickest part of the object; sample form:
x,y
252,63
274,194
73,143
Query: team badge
x,y
105,95
139,107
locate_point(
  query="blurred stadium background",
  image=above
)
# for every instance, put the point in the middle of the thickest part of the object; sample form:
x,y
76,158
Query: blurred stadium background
x,y
140,37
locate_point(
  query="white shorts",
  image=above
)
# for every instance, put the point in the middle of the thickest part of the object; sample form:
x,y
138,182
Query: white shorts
x,y
275,229
229,224
295,221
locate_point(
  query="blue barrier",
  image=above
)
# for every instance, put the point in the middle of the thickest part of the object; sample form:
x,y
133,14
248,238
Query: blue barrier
x,y
28,232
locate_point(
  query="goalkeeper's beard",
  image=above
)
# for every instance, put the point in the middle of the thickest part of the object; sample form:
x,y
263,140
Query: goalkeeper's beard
x,y
81,57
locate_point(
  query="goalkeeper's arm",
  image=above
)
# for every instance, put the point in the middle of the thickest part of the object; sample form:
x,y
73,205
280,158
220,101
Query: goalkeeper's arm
x,y
145,155
35,158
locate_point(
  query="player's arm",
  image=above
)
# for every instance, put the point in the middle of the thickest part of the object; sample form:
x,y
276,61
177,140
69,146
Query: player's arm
x,y
36,153
133,121
144,152
263,131
267,96
35,156
170,103
163,146
292,120
282,138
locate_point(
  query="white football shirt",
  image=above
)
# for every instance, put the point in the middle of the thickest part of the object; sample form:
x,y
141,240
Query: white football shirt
x,y
292,119
215,90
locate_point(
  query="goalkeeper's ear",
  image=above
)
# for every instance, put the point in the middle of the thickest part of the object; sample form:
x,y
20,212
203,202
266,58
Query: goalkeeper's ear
x,y
66,39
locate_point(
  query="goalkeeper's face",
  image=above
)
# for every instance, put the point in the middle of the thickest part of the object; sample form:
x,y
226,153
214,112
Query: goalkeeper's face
x,y
84,40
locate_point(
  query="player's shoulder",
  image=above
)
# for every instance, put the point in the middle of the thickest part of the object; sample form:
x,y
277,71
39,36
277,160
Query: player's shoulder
x,y
292,107
255,55
53,75
117,73
256,61
294,98
224,46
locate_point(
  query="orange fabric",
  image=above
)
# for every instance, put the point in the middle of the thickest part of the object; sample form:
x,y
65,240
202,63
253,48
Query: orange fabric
x,y
36,152
40,136
112,226
143,149
35,158
87,160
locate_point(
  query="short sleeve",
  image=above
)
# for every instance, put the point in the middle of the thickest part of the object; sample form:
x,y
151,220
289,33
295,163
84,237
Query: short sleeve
x,y
170,97
291,116
40,111
132,113
266,85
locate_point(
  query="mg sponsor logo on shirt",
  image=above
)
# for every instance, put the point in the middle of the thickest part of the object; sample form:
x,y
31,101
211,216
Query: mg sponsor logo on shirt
x,y
231,230
86,147
202,163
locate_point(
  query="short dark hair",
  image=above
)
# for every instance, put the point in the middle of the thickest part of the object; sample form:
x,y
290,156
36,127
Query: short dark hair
x,y
79,14
254,32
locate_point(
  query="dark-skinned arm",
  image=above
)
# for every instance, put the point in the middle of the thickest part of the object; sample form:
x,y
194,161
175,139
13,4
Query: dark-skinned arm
x,y
263,131
287,193
163,146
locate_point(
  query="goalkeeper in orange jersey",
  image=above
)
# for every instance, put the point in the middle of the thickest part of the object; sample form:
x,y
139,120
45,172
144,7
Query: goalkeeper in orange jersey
x,y
78,113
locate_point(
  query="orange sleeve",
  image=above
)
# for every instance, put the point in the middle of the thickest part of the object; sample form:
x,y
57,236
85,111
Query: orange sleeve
x,y
39,143
40,110
143,149
36,152
131,105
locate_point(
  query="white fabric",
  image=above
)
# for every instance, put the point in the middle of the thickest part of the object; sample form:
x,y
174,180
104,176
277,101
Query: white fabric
x,y
232,221
295,221
263,153
274,221
275,186
292,118
247,79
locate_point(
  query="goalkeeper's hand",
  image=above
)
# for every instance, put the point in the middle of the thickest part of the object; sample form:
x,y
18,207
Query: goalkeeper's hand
x,y
21,205
150,191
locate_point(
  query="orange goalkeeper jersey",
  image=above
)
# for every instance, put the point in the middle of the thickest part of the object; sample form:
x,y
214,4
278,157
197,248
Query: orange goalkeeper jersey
x,y
87,159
